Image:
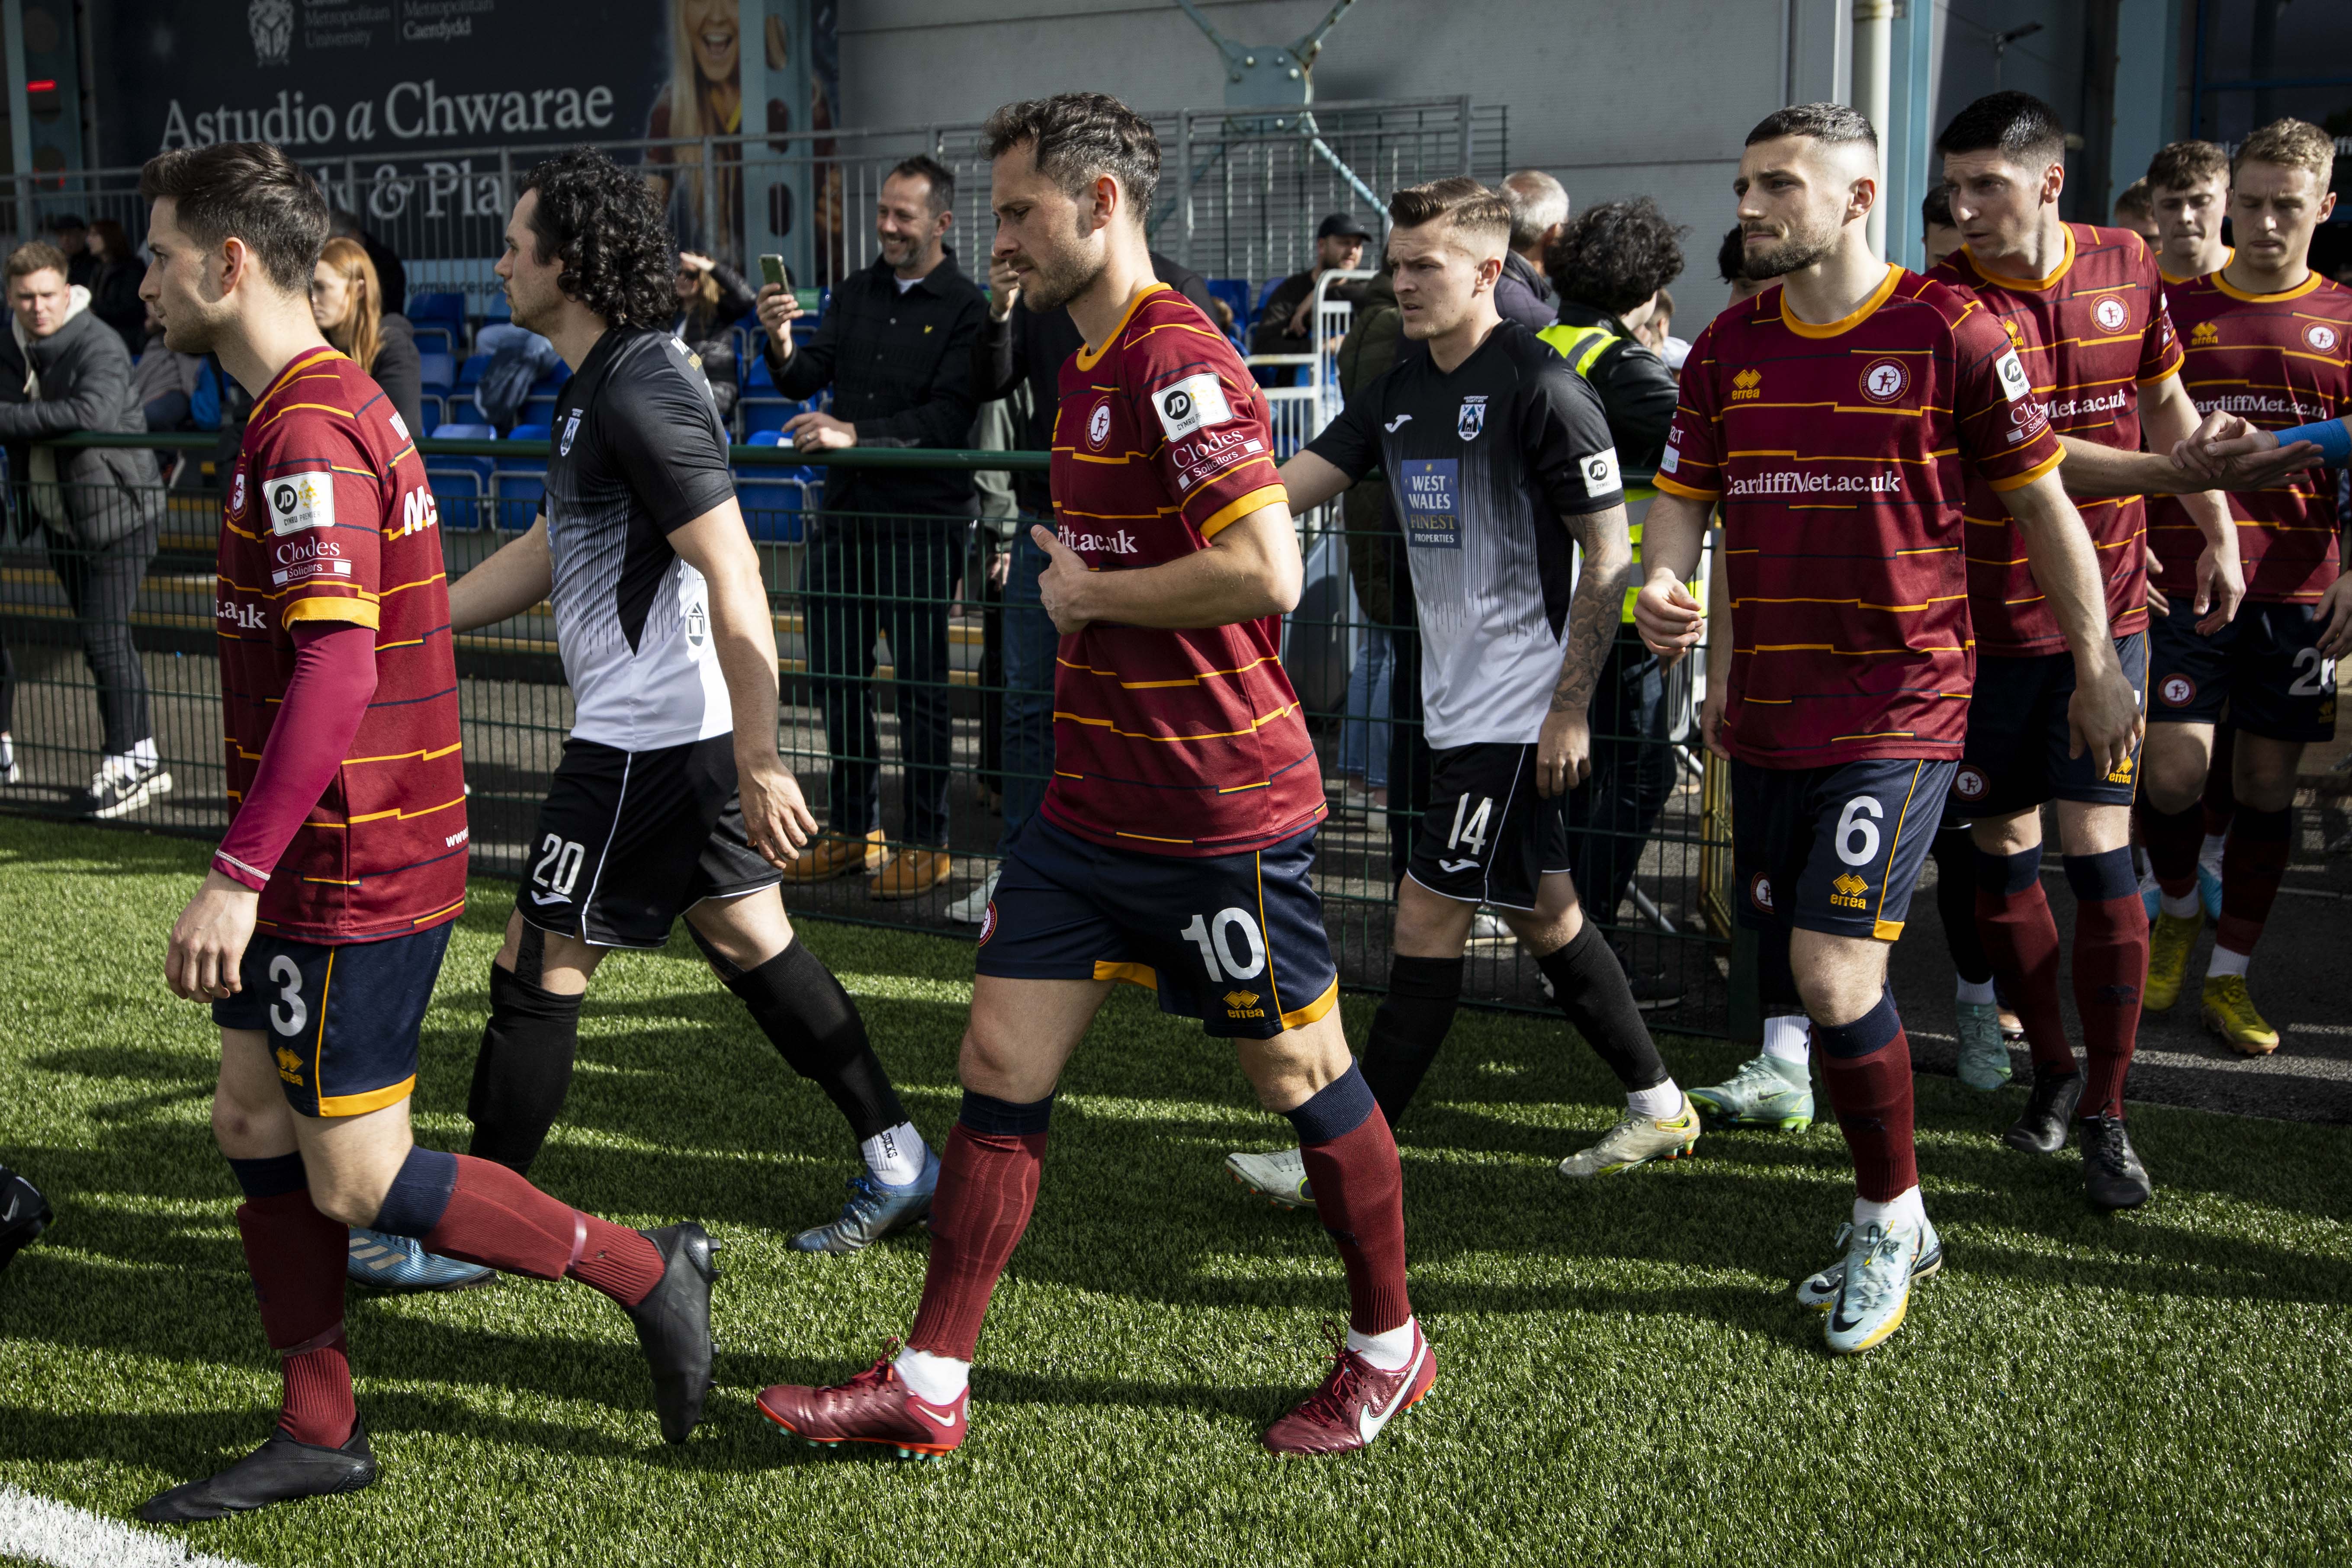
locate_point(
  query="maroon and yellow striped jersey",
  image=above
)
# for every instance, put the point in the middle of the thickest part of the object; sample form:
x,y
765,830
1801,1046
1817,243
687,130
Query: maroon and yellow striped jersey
x,y
1170,742
1841,454
2091,335
329,519
2275,360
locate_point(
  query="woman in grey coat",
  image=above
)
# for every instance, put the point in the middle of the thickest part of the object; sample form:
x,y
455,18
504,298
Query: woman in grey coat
x,y
62,369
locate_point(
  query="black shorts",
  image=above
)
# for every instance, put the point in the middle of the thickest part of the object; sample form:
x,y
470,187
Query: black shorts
x,y
2016,757
628,841
1235,941
341,1020
1487,837
2265,667
1835,849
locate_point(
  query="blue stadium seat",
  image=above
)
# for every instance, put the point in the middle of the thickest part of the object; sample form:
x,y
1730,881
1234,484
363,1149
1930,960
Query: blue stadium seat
x,y
516,497
438,372
1264,294
757,377
469,374
539,410
1236,293
461,485
765,415
773,499
531,433
440,315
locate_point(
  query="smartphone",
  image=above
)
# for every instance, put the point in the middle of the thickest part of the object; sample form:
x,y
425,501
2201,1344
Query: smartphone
x,y
772,269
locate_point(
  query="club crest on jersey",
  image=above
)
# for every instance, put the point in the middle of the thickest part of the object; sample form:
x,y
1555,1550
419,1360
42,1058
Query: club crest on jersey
x,y
2110,314
1195,403
2320,335
1471,420
988,923
571,429
1886,379
1098,426
1760,892
298,501
2204,336
1969,784
2176,691
1747,386
236,494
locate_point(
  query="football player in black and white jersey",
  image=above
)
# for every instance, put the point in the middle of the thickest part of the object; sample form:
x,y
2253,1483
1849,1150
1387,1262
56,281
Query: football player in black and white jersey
x,y
670,799
1500,463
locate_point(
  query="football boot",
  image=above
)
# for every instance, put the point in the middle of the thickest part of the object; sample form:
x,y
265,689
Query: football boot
x,y
1765,1092
2112,1174
673,1326
1356,1402
875,1406
875,1209
2170,940
2049,1112
2229,1009
1881,1264
1280,1177
1819,1292
1637,1140
1984,1056
398,1265
278,1471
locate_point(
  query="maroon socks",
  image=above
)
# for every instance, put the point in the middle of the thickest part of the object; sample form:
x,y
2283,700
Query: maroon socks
x,y
1352,1163
1867,1067
2252,868
2022,939
2110,962
988,1185
295,1256
482,1212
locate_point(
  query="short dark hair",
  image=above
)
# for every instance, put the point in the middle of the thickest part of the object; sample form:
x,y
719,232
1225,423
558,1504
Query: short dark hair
x,y
1078,137
1832,122
57,223
2018,125
2181,164
35,256
1731,257
605,224
1936,206
1460,200
1616,255
924,167
2134,200
250,191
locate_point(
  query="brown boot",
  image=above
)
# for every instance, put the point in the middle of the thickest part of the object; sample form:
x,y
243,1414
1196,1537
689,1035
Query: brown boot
x,y
914,873
829,856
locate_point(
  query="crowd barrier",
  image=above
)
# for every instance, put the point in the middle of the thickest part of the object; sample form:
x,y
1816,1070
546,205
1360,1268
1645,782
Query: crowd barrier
x,y
912,595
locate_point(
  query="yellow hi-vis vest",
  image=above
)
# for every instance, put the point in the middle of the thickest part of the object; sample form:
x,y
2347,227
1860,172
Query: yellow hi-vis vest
x,y
1582,347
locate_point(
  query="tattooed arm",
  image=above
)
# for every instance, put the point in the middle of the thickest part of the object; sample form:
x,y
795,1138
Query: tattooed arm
x,y
1564,750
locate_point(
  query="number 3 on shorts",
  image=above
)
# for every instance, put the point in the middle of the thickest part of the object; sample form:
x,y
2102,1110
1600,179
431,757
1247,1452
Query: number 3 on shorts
x,y
1858,830
1214,936
288,1014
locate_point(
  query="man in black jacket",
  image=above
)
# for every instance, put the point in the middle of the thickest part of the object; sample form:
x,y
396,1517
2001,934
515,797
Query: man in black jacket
x,y
62,369
1608,266
1281,324
896,347
1017,345
1538,205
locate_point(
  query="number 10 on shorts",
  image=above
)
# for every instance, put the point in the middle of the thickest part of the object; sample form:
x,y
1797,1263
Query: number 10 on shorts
x,y
1216,937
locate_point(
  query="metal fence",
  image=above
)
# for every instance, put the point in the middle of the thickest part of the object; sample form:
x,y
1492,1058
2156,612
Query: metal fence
x,y
910,600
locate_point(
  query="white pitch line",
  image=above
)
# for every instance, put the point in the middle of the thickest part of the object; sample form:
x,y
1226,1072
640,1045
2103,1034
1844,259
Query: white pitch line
x,y
67,1537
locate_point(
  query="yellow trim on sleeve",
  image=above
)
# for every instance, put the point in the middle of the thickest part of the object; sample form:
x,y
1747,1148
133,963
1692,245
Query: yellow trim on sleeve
x,y
2047,465
1860,313
357,612
1313,1010
1233,511
374,1099
1675,487
1090,356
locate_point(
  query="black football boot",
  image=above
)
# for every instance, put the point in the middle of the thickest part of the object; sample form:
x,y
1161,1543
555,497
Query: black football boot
x,y
23,1214
2049,1112
673,1326
280,1470
2112,1173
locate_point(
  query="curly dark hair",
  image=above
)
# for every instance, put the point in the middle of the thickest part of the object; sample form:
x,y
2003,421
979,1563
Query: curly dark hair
x,y
604,223
1616,255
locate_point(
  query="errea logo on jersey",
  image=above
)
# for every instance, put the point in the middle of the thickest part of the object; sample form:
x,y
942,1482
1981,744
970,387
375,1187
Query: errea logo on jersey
x,y
2205,336
1748,386
298,501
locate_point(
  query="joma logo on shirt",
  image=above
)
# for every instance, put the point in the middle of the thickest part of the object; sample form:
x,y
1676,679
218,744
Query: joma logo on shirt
x,y
1748,386
1119,543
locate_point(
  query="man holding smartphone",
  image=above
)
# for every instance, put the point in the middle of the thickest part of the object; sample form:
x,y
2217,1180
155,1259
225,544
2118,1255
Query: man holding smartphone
x,y
895,346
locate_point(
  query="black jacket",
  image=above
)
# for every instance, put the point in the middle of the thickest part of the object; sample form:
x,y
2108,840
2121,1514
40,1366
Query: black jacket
x,y
1637,391
85,384
399,369
1272,334
114,300
391,277
1032,347
900,370
1524,295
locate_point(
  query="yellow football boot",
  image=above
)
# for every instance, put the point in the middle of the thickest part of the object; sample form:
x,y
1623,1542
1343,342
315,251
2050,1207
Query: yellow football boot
x,y
2170,941
2229,1013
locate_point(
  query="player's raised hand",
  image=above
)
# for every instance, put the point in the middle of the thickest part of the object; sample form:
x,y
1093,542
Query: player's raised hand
x,y
2334,616
1563,753
1062,584
2104,717
1669,618
208,941
776,817
1004,287
2231,454
779,308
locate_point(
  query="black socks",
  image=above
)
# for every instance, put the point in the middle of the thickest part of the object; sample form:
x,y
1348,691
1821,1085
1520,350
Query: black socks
x,y
1597,1000
814,1026
523,1071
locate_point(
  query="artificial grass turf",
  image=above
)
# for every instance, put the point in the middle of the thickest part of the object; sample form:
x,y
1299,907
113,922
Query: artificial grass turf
x,y
1623,1374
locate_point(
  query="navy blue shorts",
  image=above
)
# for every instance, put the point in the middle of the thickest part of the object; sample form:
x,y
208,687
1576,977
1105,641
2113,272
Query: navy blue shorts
x,y
341,1020
2265,667
1835,849
2016,754
1235,941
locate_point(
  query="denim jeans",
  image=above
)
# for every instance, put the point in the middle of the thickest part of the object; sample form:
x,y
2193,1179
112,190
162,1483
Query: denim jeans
x,y
866,574
1363,737
1030,645
1611,814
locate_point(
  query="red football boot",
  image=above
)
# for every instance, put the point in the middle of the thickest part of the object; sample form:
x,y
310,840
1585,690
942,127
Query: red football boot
x,y
874,1406
1355,1402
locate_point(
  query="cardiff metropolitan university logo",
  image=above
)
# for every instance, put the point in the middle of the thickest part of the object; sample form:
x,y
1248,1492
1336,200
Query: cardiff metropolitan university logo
x,y
271,23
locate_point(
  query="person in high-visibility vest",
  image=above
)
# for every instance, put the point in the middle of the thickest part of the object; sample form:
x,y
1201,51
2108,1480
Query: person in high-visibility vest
x,y
1608,268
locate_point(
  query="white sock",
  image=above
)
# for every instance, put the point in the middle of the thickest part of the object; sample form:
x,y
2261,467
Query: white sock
x,y
1976,991
144,753
1659,1101
2209,856
935,1378
1904,1209
1388,1352
2224,962
895,1154
2180,908
1789,1036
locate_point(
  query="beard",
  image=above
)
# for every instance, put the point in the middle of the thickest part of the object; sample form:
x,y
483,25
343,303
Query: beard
x,y
1059,279
1792,253
188,333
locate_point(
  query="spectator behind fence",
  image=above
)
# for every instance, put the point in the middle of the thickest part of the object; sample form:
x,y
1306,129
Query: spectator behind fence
x,y
164,382
388,272
1281,324
69,233
1612,267
1021,350
114,283
1942,236
711,298
1731,266
1538,207
520,359
895,345
62,369
344,301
